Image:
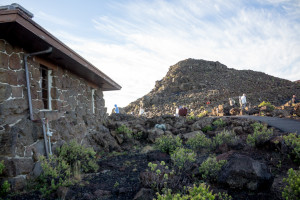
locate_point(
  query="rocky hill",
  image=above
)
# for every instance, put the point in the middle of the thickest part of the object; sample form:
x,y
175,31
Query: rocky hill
x,y
193,83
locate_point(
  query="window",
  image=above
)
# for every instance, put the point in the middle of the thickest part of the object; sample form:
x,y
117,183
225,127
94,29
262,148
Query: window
x,y
45,84
93,101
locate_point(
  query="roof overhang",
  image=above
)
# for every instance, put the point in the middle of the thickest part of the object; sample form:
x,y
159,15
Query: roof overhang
x,y
20,30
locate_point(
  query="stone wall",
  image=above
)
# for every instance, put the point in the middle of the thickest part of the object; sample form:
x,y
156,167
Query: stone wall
x,y
71,117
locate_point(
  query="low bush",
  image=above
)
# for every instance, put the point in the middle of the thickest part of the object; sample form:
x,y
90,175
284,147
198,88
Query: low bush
x,y
5,187
261,134
73,153
207,128
196,192
65,168
200,141
182,157
168,143
211,167
191,116
138,135
202,114
267,104
158,176
124,129
292,189
219,123
56,173
225,137
292,140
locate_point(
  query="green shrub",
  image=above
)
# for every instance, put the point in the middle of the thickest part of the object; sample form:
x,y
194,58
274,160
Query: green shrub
x,y
261,134
202,114
195,193
138,135
2,166
56,173
65,168
211,167
267,104
191,116
292,140
219,123
223,196
292,189
73,153
168,144
124,129
159,176
200,141
5,187
225,137
207,128
181,157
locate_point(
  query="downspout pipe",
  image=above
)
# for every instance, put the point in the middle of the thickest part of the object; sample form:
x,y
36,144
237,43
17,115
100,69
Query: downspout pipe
x,y
49,50
45,138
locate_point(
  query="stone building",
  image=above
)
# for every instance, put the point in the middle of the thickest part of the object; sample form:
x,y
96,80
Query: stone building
x,y
65,96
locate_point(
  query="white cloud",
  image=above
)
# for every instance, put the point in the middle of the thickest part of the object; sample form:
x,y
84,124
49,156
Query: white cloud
x,y
151,36
53,19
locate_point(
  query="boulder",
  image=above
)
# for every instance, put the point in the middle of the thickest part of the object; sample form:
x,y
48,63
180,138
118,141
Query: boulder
x,y
253,111
234,111
243,172
297,109
102,140
280,113
154,133
198,125
144,194
193,134
158,156
238,130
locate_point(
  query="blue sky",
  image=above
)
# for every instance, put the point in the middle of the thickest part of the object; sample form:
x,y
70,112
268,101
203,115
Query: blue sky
x,y
135,41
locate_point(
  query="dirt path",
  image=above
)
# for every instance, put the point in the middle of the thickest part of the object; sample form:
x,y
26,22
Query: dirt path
x,y
283,124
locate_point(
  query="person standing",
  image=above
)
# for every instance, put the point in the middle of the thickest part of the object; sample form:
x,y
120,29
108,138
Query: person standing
x,y
116,109
294,100
243,101
231,102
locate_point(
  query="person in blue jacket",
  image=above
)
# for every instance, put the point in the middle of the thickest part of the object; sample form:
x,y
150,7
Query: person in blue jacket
x,y
116,109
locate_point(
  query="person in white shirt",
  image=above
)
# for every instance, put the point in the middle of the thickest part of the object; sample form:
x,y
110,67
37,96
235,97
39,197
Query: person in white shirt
x,y
243,101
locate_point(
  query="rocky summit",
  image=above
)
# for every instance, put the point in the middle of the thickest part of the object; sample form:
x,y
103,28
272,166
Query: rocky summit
x,y
199,84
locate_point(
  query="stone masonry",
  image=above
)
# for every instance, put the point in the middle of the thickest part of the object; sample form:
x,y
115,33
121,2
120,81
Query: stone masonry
x,y
71,117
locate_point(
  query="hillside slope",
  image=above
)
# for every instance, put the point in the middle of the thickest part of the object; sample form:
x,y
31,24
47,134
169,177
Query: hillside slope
x,y
192,83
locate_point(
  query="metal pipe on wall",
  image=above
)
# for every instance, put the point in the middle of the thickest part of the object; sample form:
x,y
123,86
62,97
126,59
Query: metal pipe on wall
x,y
49,50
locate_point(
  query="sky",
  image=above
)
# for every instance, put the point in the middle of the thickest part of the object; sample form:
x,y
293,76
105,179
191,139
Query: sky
x,y
136,41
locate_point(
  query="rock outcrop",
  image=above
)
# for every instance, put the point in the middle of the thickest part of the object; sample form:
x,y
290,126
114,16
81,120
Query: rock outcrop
x,y
243,172
200,84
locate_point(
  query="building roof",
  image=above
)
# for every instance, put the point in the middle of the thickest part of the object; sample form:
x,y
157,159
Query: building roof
x,y
17,27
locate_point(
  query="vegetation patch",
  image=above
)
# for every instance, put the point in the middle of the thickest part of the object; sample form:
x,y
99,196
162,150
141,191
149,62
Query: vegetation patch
x,y
65,168
292,189
123,129
5,187
292,140
267,104
207,128
202,114
219,123
168,144
200,141
211,167
199,192
181,157
260,135
225,137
